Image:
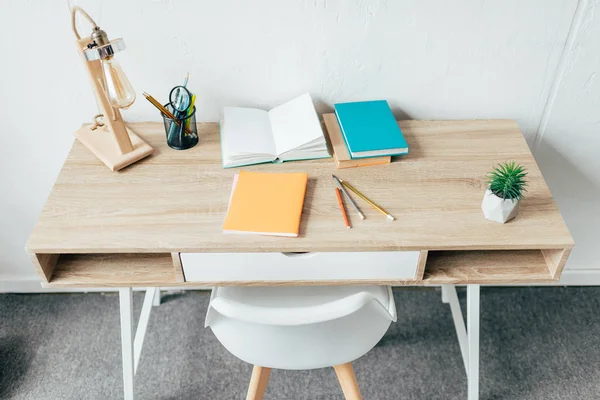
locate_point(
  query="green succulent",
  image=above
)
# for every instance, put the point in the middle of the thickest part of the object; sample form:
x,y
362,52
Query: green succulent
x,y
507,180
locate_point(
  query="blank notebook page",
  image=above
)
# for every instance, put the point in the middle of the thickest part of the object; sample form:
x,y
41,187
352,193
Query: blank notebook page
x,y
294,124
266,203
247,131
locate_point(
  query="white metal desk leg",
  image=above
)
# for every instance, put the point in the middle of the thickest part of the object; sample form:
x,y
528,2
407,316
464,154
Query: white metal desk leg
x,y
126,306
157,297
473,333
459,323
445,298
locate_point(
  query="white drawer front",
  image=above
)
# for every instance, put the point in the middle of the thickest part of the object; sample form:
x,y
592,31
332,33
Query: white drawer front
x,y
232,267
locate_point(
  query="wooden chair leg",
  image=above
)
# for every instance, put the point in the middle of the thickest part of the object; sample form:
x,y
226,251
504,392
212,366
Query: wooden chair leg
x,y
345,374
258,383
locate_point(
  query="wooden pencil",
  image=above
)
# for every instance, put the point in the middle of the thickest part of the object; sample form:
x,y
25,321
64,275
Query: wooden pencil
x,y
165,112
341,203
369,201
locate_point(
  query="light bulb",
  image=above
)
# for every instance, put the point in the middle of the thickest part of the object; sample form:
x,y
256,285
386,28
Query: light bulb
x,y
118,89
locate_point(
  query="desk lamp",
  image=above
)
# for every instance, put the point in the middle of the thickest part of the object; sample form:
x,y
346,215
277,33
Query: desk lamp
x,y
108,138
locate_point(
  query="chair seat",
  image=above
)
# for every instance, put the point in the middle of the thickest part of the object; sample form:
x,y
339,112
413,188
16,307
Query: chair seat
x,y
300,327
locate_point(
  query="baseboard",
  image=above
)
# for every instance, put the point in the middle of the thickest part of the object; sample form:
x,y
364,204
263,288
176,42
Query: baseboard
x,y
34,286
580,277
570,277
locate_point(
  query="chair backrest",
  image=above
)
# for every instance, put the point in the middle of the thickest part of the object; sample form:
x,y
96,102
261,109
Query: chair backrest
x,y
293,306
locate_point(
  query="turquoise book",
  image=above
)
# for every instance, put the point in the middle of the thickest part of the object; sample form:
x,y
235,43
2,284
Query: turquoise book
x,y
370,129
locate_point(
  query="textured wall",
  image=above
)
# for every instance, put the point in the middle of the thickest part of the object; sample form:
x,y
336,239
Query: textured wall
x,y
459,59
568,146
431,59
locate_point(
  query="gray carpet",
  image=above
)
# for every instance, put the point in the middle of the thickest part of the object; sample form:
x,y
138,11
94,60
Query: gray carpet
x,y
536,343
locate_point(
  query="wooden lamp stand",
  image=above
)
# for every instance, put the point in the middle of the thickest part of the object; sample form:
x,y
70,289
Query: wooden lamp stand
x,y
111,141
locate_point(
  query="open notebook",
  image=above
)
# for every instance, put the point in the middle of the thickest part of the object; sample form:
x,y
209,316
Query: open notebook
x,y
288,132
266,203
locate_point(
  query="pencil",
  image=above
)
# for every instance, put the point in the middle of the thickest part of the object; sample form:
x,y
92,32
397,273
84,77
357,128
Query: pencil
x,y
352,202
163,110
190,110
339,197
365,198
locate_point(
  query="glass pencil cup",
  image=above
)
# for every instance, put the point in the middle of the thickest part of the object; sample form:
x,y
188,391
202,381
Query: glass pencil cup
x,y
182,132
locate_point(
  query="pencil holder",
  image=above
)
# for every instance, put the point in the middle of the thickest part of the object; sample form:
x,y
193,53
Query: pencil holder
x,y
182,132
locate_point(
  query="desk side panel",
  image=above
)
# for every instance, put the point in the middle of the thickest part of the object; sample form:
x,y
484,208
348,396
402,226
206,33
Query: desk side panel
x,y
44,265
178,267
556,260
421,265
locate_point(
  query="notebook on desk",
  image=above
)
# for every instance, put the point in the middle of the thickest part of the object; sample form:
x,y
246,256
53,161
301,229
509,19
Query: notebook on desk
x,y
266,203
288,132
340,153
370,129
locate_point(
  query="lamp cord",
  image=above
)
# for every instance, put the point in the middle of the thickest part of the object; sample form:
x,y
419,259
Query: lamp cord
x,y
74,11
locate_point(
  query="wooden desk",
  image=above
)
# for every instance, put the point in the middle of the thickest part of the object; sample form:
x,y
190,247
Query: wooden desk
x,y
175,201
126,229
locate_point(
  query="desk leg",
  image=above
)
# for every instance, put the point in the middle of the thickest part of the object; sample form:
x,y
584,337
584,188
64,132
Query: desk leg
x,y
473,334
445,290
459,323
126,302
157,297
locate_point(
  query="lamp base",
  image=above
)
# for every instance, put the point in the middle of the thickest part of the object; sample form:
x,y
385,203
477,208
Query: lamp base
x,y
101,142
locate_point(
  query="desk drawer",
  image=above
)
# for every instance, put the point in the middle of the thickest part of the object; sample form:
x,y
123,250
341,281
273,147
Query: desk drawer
x,y
312,267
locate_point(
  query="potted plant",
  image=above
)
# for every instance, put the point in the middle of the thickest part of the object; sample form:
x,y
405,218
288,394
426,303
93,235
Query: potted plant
x,y
506,184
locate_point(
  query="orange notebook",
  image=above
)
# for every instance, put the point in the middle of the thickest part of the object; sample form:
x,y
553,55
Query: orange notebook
x,y
266,203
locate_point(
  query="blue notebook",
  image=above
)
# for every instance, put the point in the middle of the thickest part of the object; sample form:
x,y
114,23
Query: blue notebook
x,y
370,129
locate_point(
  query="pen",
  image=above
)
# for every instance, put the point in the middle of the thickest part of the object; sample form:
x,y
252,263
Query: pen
x,y
365,198
354,205
341,203
163,110
190,110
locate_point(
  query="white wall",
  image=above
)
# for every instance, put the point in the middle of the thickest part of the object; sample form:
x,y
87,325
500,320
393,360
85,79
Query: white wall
x,y
568,146
430,59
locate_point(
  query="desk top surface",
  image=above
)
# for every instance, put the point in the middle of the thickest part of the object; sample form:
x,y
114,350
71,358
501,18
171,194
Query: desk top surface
x,y
175,201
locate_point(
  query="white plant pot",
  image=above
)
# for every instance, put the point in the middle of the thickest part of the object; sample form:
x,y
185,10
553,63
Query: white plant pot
x,y
497,209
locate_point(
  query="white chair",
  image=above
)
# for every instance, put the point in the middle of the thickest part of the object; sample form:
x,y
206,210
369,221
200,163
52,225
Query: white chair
x,y
300,328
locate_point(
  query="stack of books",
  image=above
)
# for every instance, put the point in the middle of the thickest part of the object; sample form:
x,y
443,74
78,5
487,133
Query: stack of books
x,y
364,133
